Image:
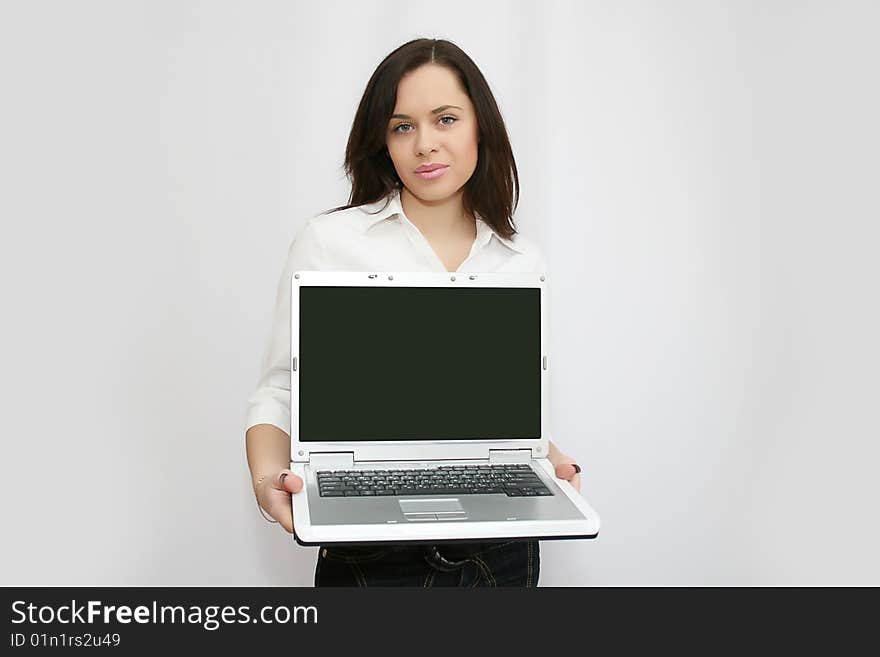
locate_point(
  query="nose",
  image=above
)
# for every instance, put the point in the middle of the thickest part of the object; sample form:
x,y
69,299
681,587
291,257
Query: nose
x,y
427,144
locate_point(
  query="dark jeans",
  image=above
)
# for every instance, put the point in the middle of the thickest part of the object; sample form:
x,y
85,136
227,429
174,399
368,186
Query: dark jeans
x,y
504,563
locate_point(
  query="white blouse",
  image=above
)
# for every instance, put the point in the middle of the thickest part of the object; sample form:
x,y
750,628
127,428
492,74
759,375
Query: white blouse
x,y
366,238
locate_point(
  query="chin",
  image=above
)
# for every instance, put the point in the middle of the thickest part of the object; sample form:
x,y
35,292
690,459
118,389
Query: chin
x,y
428,192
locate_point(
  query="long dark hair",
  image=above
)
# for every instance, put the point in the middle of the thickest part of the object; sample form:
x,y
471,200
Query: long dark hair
x,y
493,189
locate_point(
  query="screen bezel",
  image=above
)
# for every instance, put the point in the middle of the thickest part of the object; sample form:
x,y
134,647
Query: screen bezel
x,y
417,449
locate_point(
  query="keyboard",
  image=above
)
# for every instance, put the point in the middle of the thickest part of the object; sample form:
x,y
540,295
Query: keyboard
x,y
511,479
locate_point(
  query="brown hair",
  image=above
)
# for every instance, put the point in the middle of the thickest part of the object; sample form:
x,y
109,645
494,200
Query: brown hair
x,y
493,189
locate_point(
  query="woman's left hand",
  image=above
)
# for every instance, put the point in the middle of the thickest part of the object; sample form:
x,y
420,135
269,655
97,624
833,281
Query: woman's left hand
x,y
564,466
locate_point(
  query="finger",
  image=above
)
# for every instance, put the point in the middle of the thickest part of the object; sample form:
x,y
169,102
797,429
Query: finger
x,y
576,482
284,517
279,504
566,471
287,481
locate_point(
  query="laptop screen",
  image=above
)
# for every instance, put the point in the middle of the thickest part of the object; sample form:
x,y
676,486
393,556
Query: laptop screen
x,y
419,363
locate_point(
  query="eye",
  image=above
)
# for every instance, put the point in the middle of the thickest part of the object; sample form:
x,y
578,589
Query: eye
x,y
398,130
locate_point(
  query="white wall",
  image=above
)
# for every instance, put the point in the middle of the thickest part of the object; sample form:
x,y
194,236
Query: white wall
x,y
702,176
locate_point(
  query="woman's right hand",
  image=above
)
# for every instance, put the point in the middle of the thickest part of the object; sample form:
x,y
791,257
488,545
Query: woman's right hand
x,y
274,497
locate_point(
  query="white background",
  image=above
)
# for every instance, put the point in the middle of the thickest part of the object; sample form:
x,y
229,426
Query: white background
x,y
702,175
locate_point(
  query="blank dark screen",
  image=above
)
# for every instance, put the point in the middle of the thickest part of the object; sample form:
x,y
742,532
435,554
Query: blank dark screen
x,y
419,363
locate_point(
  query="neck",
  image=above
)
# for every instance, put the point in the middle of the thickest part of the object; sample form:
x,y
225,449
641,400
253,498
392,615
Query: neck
x,y
440,219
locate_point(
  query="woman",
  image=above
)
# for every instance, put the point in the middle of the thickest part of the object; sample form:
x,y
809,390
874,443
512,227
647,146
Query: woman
x,y
434,186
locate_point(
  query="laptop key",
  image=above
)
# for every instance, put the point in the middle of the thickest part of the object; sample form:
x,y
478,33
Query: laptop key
x,y
332,493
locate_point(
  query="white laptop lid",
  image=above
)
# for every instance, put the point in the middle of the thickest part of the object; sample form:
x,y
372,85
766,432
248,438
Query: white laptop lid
x,y
418,365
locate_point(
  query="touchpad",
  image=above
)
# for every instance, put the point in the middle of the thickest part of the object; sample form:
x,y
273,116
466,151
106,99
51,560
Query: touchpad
x,y
430,506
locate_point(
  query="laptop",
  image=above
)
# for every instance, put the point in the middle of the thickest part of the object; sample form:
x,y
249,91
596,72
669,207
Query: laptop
x,y
419,406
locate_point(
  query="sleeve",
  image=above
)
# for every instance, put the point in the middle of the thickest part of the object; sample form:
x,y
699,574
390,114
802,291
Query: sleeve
x,y
270,402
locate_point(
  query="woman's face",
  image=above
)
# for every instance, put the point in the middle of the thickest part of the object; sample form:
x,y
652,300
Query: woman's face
x,y
433,123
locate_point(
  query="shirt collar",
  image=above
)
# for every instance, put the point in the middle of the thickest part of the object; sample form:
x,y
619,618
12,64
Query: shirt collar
x,y
380,211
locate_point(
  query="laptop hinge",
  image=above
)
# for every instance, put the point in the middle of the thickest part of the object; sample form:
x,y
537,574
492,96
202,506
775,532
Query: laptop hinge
x,y
332,460
523,455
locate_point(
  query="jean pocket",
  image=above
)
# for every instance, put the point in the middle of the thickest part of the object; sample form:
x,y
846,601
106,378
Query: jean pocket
x,y
512,564
342,566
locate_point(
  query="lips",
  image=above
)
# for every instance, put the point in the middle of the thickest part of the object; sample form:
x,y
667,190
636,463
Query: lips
x,y
431,175
427,168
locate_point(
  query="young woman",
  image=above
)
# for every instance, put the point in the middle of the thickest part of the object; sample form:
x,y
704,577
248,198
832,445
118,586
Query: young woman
x,y
434,187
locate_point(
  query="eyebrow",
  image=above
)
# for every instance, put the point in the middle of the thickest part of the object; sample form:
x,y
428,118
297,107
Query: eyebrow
x,y
434,111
